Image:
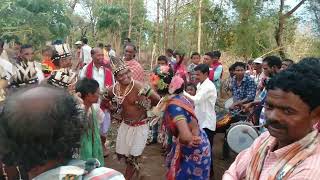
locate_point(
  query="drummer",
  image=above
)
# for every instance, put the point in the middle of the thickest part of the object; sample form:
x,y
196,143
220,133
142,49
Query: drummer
x,y
290,148
242,85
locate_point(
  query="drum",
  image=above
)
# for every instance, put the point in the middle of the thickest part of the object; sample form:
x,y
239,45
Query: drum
x,y
241,135
228,103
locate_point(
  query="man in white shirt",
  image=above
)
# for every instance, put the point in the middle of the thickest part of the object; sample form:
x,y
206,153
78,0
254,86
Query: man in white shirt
x,y
205,100
111,52
85,54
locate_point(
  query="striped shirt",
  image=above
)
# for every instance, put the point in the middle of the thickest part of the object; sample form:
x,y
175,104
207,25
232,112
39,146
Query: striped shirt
x,y
307,169
136,70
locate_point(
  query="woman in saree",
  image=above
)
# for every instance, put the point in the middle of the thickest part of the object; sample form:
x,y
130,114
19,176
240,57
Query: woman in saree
x,y
189,157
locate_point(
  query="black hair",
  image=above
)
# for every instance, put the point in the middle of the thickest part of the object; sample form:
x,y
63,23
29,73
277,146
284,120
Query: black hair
x,y
232,68
273,61
163,58
85,40
210,54
100,45
29,139
250,61
128,39
239,64
194,54
1,43
289,60
178,53
216,54
169,51
302,79
181,89
191,85
25,46
204,68
86,86
133,46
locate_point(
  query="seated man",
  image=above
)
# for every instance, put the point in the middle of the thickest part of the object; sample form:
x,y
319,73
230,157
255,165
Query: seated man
x,y
40,129
291,148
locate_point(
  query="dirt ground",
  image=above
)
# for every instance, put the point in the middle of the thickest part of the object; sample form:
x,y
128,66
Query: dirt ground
x,y
153,162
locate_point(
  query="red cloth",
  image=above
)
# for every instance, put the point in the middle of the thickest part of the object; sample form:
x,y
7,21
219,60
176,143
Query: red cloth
x,y
107,74
136,69
213,69
107,81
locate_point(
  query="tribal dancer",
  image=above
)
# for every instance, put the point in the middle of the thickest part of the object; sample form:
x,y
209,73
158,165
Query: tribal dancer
x,y
26,71
130,101
62,76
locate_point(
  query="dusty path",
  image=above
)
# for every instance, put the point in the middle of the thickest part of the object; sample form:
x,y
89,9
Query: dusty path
x,y
153,162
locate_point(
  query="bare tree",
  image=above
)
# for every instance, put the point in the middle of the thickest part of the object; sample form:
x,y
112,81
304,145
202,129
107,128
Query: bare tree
x,y
174,24
282,21
130,18
165,22
158,25
199,26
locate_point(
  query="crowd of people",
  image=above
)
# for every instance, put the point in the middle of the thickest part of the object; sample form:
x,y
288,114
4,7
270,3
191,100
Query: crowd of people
x,y
55,115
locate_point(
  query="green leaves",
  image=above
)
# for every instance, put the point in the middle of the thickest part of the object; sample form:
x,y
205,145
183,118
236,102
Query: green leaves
x,y
34,21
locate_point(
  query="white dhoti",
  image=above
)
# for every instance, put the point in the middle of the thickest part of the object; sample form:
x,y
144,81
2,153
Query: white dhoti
x,y
131,140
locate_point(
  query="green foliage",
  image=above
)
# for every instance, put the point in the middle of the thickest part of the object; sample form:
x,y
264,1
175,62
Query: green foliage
x,y
34,21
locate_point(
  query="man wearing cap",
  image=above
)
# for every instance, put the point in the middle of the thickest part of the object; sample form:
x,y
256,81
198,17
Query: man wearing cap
x,y
258,74
85,54
129,102
77,53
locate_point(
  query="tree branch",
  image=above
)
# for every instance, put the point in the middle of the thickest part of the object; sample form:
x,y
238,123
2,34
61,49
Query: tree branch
x,y
289,13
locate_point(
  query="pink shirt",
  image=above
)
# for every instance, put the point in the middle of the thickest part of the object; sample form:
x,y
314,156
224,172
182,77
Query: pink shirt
x,y
136,70
308,169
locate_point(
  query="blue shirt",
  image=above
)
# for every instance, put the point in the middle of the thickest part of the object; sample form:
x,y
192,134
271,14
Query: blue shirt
x,y
246,90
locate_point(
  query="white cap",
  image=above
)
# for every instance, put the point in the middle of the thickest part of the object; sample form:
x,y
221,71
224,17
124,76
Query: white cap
x,y
78,43
258,60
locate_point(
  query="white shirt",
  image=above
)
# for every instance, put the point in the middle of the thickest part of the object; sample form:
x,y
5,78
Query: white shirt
x,y
205,100
85,54
97,74
112,53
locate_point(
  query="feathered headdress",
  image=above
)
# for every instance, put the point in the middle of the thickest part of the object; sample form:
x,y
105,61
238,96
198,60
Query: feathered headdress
x,y
117,64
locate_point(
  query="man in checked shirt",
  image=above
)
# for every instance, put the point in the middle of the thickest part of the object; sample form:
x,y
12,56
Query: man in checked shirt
x,y
243,86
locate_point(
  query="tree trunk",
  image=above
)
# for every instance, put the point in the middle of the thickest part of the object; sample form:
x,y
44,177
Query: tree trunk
x,y
140,32
158,27
165,22
174,24
130,18
281,24
199,26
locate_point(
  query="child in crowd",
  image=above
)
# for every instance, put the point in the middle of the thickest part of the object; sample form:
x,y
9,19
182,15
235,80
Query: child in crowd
x,y
191,89
195,59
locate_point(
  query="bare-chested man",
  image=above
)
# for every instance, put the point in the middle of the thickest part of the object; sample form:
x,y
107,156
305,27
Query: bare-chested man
x,y
130,101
